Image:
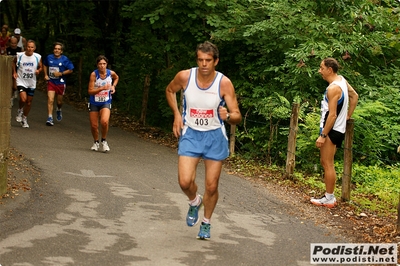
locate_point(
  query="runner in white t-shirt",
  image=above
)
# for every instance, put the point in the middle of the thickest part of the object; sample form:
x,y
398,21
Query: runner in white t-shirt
x,y
27,65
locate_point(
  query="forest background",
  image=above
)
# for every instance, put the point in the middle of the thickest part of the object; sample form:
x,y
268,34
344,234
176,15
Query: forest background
x,y
271,50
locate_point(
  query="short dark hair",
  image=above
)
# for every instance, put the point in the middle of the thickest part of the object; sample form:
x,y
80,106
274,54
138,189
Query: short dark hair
x,y
58,43
101,57
31,41
333,63
208,47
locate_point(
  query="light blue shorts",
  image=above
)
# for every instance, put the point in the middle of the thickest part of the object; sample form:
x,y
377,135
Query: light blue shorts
x,y
209,145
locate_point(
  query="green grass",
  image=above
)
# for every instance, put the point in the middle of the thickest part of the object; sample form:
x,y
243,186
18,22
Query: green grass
x,y
373,188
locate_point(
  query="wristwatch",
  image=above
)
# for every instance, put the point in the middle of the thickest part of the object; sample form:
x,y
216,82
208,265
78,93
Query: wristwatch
x,y
323,135
228,116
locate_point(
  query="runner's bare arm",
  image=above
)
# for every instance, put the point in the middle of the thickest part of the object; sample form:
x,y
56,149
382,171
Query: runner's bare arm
x,y
229,95
353,100
178,83
91,89
115,79
40,67
334,93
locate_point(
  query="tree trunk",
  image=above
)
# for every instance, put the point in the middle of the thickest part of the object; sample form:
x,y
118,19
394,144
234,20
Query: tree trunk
x,y
145,99
291,151
398,217
80,88
347,160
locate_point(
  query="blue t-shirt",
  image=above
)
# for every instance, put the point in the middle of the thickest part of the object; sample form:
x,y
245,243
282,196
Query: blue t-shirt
x,y
57,65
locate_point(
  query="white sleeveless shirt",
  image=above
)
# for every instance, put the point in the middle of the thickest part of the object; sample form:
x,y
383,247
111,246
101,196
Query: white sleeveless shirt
x,y
27,66
200,106
20,43
341,111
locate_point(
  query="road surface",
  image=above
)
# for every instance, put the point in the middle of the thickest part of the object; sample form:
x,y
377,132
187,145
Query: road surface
x,y
125,207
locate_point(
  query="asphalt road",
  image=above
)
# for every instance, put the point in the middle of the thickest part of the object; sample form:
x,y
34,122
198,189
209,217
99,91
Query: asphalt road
x,y
125,207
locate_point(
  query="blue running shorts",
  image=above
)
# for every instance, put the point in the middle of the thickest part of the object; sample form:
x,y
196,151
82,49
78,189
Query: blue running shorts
x,y
209,145
97,108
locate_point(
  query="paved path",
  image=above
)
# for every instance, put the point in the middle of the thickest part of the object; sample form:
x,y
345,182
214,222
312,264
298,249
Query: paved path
x,y
126,207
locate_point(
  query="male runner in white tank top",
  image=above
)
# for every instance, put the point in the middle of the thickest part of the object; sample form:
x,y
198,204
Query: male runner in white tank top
x,y
27,66
337,106
201,129
21,40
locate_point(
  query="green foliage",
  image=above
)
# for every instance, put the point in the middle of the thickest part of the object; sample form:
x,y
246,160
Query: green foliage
x,y
377,186
307,154
374,188
271,50
285,43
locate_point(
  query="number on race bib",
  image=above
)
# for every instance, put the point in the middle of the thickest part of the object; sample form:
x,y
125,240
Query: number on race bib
x,y
201,122
27,75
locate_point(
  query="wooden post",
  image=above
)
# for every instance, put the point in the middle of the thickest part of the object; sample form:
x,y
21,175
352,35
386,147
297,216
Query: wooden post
x,y
232,140
348,159
398,217
291,151
6,84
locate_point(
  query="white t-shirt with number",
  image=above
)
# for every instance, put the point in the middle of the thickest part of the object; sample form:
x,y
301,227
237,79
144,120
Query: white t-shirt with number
x,y
200,105
26,68
103,96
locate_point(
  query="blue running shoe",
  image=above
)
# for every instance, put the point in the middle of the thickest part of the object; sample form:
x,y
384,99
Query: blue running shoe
x,y
59,115
204,231
193,214
49,121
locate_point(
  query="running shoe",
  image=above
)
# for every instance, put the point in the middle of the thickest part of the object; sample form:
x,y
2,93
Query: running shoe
x,y
204,232
18,118
49,121
192,216
59,115
24,122
95,146
323,201
105,146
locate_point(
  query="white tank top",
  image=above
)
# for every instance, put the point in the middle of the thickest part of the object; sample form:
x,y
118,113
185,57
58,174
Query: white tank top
x,y
27,66
200,106
20,44
341,111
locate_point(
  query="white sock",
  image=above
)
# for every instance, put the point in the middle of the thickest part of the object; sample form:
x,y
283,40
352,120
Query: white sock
x,y
329,196
206,221
195,201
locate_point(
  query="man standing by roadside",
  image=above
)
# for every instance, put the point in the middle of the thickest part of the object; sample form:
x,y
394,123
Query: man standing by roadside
x,y
56,67
4,41
201,129
12,50
21,40
27,65
337,106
